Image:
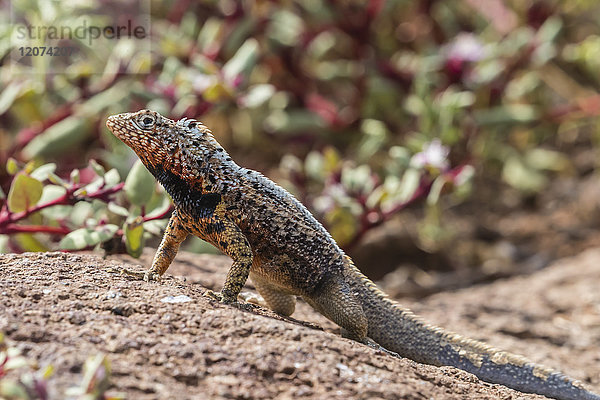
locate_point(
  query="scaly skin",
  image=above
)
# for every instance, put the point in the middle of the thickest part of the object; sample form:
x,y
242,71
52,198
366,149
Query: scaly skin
x,y
274,239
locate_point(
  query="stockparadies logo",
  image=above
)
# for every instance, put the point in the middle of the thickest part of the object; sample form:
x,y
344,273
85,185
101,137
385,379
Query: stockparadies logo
x,y
113,37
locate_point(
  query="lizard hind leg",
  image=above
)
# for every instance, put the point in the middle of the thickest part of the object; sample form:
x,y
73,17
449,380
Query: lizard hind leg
x,y
335,300
278,301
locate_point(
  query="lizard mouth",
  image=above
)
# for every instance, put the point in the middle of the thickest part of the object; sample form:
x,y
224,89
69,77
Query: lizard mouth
x,y
126,128
114,121
117,124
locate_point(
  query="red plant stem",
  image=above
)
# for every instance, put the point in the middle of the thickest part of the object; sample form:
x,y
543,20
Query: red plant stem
x,y
65,199
13,228
162,215
26,135
422,191
8,219
159,216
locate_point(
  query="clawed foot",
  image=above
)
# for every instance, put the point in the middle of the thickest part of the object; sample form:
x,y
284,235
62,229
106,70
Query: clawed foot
x,y
137,275
229,300
374,345
150,276
222,296
368,342
214,295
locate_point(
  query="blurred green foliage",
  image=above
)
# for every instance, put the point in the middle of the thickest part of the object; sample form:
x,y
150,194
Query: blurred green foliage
x,y
22,379
358,107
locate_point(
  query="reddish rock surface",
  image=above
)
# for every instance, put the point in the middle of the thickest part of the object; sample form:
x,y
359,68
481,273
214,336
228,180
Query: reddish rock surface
x,y
61,308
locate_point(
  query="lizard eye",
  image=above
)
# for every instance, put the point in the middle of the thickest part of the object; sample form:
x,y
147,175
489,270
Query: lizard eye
x,y
146,121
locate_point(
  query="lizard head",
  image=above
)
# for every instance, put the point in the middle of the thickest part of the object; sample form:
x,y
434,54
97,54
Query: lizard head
x,y
181,147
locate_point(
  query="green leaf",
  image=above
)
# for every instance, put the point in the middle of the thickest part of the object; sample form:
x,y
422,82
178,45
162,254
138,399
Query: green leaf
x,y
543,159
163,203
156,226
52,192
15,361
91,187
134,237
139,184
357,179
343,224
47,372
80,211
3,249
11,389
54,213
550,29
436,190
293,121
86,237
112,177
98,169
409,184
29,242
242,61
74,176
11,166
217,92
257,95
58,138
376,197
29,167
118,210
24,193
110,96
95,381
9,94
314,165
507,114
209,34
321,44
521,176
285,28
375,133
42,173
52,177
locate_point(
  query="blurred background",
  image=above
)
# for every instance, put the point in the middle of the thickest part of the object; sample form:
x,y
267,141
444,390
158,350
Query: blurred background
x,y
442,143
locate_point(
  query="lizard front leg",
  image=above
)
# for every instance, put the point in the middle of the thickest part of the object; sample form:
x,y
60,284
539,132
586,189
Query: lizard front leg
x,y
169,245
175,233
225,235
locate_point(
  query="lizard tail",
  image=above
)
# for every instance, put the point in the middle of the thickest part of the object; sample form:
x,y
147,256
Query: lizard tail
x,y
399,330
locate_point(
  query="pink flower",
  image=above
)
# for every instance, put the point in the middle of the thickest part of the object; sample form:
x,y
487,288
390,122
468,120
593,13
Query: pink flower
x,y
433,155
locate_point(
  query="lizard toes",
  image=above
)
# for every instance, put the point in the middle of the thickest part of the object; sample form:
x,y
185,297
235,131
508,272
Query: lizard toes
x,y
245,306
130,273
213,295
228,297
229,300
374,345
151,276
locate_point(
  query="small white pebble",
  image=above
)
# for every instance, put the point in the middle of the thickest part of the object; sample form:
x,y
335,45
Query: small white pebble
x,y
46,291
111,295
176,299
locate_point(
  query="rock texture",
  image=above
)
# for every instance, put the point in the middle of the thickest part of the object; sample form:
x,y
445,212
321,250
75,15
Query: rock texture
x,y
60,308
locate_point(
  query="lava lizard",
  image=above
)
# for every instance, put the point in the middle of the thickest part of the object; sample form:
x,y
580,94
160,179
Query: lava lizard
x,y
275,240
